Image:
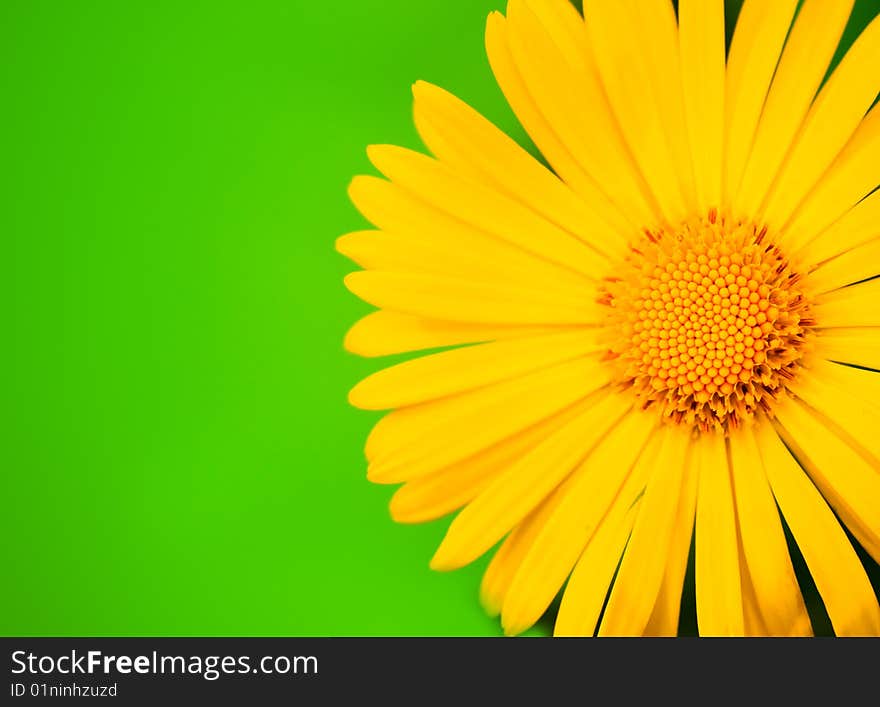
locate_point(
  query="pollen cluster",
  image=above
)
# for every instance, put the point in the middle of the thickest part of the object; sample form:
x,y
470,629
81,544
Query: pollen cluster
x,y
707,323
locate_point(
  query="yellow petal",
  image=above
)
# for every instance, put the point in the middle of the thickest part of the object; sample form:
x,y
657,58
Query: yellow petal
x,y
509,555
856,227
808,51
860,263
462,138
853,174
423,438
436,246
702,61
757,42
833,117
640,575
484,208
511,496
385,333
665,616
581,118
840,578
847,481
753,623
590,492
456,299
429,497
588,584
450,372
502,566
859,383
564,24
420,227
780,603
543,133
822,389
858,347
853,306
627,80
656,33
717,565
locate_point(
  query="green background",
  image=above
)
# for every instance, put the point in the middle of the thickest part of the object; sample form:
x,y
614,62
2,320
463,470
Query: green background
x,y
177,453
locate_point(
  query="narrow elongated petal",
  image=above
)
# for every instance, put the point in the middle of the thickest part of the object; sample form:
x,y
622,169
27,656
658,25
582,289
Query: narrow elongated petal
x,y
461,137
457,299
587,587
425,232
702,61
423,438
848,596
808,51
857,347
457,254
429,497
626,78
384,333
509,556
860,263
484,208
852,175
753,623
459,370
853,306
718,582
516,492
656,32
832,119
760,33
640,576
665,616
847,481
581,118
566,532
824,388
856,227
778,595
862,384
546,136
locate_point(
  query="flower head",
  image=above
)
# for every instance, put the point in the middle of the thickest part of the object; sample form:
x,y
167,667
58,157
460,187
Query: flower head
x,y
670,335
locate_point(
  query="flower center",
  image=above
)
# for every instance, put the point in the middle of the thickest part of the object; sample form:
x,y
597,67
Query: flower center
x,y
706,323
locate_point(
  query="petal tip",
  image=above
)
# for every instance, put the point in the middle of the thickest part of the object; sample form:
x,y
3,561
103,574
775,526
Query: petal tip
x,y
489,604
355,398
374,473
377,151
443,560
394,508
351,341
340,245
351,281
355,187
383,474
402,511
512,628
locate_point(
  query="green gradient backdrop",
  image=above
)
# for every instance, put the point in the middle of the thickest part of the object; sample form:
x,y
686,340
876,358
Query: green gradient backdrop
x,y
177,453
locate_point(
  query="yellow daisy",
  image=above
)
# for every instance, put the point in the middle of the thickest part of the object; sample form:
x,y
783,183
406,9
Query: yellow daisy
x,y
673,334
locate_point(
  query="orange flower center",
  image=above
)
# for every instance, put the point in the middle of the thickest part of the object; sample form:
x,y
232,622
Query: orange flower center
x,y
707,323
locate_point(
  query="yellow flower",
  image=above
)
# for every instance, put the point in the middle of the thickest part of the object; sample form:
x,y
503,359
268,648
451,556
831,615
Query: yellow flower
x,y
672,334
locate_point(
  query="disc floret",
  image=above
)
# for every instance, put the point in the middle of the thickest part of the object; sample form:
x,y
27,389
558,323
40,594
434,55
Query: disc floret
x,y
707,323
